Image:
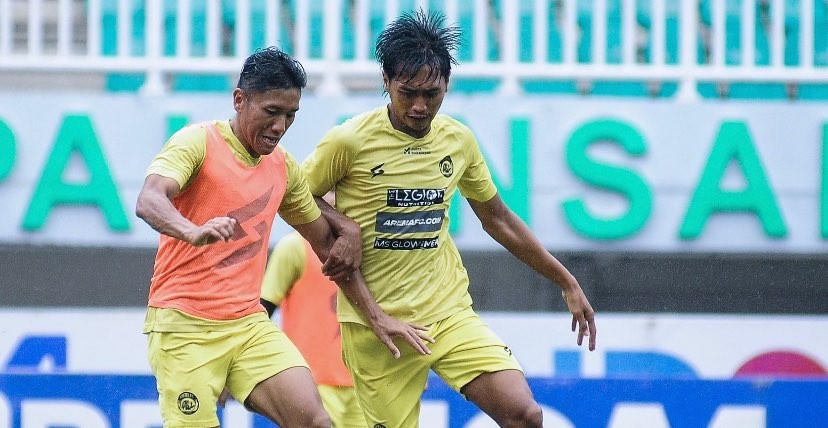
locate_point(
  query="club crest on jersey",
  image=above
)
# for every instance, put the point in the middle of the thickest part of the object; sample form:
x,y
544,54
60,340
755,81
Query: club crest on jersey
x,y
446,166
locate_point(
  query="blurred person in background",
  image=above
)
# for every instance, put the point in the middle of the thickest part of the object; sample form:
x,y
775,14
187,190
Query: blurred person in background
x,y
394,170
212,193
294,282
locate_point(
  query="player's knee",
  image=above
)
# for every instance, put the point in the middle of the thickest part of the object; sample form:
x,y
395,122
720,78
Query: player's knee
x,y
318,419
528,416
321,420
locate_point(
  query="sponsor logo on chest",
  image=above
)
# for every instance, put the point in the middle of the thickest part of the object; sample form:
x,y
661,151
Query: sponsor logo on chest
x,y
415,197
416,222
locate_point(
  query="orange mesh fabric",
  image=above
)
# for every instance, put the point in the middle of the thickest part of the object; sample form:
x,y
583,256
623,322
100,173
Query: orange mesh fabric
x,y
221,281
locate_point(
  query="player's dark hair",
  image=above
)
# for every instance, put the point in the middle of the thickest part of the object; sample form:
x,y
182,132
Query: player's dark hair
x,y
270,68
414,41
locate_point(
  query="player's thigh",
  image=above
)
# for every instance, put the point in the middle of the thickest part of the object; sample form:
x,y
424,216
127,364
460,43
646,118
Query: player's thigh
x,y
388,389
290,399
266,352
468,347
342,406
505,396
190,370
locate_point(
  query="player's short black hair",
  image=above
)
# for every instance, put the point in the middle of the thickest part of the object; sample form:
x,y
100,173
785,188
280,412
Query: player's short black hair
x,y
270,68
418,40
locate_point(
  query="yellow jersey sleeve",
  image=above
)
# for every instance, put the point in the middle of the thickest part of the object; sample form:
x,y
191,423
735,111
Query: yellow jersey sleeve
x,y
331,159
298,206
182,155
285,266
476,183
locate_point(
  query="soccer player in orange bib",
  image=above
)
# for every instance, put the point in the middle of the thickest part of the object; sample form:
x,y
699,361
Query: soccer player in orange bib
x,y
213,192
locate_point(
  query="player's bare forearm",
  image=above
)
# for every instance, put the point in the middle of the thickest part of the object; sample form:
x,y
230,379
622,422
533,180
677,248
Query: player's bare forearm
x,y
505,227
385,327
510,231
335,253
341,224
155,207
345,254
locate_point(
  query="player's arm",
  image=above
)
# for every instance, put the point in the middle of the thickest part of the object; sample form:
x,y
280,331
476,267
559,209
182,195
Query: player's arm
x,y
155,207
513,234
319,234
346,253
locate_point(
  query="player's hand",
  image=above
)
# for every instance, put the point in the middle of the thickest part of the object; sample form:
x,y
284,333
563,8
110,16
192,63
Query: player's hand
x,y
223,397
344,257
583,317
387,328
214,230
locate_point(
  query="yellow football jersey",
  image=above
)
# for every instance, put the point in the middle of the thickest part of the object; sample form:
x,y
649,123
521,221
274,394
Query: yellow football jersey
x,y
398,188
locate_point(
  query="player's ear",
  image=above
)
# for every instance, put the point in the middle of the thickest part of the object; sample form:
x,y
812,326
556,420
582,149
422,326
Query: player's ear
x,y
238,98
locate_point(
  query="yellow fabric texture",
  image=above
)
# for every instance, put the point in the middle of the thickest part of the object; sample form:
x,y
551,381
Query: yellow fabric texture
x,y
464,348
184,361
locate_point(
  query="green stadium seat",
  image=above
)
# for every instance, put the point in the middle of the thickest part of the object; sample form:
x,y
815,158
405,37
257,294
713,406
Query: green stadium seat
x,y
465,20
813,92
734,47
613,50
821,33
200,82
554,50
123,82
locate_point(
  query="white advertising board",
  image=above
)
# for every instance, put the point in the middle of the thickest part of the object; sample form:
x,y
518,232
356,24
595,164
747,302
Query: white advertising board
x,y
639,346
584,173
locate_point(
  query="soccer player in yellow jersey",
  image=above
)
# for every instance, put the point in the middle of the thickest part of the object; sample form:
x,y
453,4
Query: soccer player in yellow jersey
x,y
213,193
394,170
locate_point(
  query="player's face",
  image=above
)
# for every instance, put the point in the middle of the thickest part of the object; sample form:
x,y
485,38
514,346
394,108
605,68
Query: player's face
x,y
415,101
263,118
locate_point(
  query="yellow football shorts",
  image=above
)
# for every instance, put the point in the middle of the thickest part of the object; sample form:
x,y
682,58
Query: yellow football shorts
x,y
192,368
342,406
389,390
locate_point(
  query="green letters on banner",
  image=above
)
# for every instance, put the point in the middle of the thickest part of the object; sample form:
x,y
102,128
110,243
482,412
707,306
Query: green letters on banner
x,y
8,150
733,143
613,178
76,136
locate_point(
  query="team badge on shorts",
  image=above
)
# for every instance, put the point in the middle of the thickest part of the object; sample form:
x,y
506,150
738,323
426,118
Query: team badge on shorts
x,y
379,426
187,403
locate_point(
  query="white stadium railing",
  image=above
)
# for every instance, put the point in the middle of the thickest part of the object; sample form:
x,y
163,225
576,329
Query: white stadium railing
x,y
684,42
